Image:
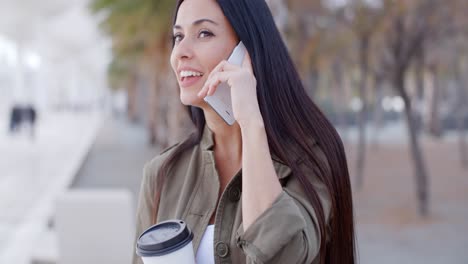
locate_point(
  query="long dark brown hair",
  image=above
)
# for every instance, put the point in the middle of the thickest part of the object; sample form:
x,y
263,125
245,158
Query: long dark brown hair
x,y
291,121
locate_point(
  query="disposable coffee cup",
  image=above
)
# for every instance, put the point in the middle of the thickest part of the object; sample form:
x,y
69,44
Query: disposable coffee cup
x,y
168,242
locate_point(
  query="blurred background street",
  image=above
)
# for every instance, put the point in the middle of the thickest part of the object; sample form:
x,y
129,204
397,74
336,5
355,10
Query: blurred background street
x,y
87,97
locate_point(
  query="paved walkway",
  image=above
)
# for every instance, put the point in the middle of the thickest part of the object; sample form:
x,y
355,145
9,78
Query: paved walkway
x,y
70,150
117,157
33,173
389,229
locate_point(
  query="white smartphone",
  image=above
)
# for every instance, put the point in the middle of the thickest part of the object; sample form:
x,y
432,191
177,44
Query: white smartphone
x,y
220,101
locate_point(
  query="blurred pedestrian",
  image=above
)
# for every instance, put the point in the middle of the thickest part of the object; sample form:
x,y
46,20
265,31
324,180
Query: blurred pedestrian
x,y
21,117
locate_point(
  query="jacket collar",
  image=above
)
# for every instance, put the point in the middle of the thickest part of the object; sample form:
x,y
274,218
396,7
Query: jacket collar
x,y
207,141
207,144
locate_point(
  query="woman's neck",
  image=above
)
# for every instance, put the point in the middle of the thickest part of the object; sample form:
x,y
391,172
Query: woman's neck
x,y
227,139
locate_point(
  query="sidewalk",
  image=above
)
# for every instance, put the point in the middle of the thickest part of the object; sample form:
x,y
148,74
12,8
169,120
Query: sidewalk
x,y
35,172
117,157
388,227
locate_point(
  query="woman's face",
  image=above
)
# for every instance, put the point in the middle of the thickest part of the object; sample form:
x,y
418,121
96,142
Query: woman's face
x,y
203,37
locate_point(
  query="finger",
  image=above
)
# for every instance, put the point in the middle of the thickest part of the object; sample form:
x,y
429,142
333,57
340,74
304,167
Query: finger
x,y
227,66
223,66
204,89
215,80
218,68
213,87
209,83
247,62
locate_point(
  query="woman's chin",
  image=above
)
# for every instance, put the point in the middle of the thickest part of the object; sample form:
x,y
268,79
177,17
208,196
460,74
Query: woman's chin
x,y
192,100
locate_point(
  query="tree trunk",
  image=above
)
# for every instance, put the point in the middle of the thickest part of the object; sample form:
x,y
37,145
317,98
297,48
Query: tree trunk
x,y
433,120
462,110
378,115
419,74
364,64
462,138
165,99
132,98
154,120
312,81
421,93
338,97
422,181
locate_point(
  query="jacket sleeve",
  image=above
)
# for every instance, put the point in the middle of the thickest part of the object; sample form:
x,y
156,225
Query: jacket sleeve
x,y
286,232
144,209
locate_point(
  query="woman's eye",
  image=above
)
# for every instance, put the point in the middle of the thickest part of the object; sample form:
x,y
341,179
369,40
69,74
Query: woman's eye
x,y
177,37
205,34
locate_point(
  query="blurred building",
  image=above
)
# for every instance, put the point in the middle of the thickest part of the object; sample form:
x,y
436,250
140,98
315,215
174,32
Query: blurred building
x,y
51,55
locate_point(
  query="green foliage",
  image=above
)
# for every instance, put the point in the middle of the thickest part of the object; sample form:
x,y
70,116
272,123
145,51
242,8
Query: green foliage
x,y
137,28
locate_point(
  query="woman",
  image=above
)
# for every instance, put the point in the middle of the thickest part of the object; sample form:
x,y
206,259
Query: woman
x,y
272,188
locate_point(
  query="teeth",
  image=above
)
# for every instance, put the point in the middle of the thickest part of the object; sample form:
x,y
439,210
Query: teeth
x,y
190,73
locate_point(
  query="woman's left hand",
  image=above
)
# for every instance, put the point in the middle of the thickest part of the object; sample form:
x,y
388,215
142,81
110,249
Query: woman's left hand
x,y
243,86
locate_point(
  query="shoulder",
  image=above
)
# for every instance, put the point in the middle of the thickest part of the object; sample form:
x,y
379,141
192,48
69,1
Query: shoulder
x,y
152,167
316,169
322,158
156,162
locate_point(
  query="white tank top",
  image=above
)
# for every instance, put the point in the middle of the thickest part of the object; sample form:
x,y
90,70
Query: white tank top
x,y
205,252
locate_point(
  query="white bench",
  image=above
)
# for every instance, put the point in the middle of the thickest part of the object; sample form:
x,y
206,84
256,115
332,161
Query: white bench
x,y
91,226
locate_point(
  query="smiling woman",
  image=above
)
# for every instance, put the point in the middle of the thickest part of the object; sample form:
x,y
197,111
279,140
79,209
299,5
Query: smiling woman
x,y
202,38
272,188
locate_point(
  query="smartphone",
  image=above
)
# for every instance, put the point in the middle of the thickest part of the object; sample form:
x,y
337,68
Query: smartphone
x,y
220,101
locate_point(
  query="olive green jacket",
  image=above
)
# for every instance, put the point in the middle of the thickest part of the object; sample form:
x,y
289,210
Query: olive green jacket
x,y
284,233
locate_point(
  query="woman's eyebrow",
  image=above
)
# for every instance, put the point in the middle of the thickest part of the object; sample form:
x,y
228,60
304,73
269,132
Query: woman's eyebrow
x,y
198,22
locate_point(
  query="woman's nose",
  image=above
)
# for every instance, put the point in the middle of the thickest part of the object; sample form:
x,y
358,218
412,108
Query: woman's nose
x,y
183,49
